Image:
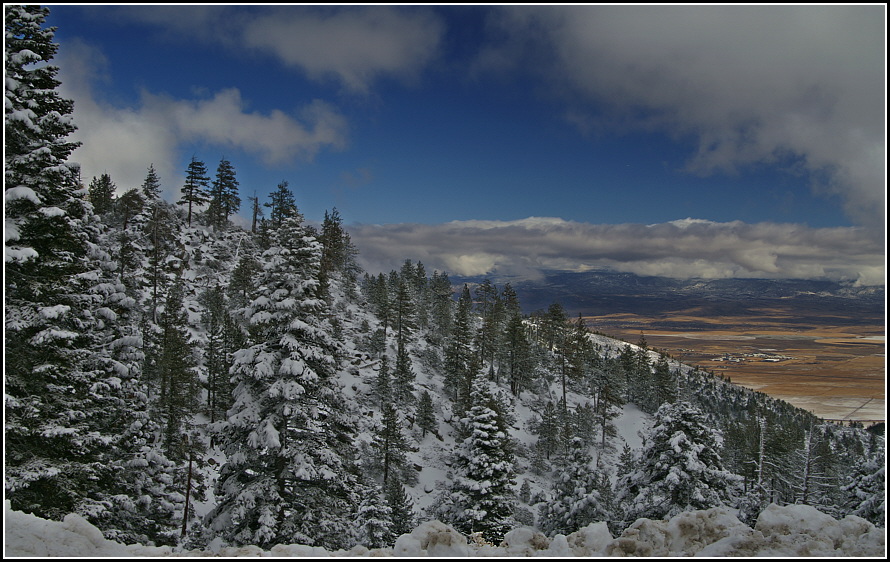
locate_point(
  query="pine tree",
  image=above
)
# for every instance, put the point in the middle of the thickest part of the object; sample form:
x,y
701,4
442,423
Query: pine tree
x,y
554,325
290,475
282,206
866,489
151,187
626,462
222,341
374,520
815,481
255,212
491,311
383,383
391,446
126,207
130,252
441,306
66,401
403,377
194,192
482,498
426,417
173,369
607,408
241,285
576,500
579,351
403,309
338,253
223,196
42,203
547,428
679,467
460,361
665,384
402,509
159,231
519,361
101,193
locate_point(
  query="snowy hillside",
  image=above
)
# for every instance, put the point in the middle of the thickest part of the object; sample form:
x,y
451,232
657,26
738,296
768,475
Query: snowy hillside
x,y
417,378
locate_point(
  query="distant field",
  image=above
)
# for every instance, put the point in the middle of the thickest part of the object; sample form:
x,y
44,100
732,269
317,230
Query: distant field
x,y
833,366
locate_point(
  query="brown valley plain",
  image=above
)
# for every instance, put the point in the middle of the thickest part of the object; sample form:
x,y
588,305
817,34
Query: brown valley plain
x,y
835,369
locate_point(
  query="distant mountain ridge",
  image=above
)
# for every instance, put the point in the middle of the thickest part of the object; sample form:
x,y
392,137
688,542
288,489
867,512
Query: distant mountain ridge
x,y
598,293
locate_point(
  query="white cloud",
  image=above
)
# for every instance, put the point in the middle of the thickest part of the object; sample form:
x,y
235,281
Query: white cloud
x,y
753,84
123,141
681,249
355,46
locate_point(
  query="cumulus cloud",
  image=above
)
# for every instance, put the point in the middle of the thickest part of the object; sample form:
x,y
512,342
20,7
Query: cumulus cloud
x,y
680,249
354,46
123,141
802,86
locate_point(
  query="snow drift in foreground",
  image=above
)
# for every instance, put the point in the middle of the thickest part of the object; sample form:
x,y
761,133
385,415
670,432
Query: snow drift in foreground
x,y
794,530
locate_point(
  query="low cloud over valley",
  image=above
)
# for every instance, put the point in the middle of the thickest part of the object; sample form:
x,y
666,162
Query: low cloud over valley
x,y
681,249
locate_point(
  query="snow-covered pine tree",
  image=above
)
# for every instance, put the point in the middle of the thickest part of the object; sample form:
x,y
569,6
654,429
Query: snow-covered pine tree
x,y
403,307
374,519
626,462
227,337
460,359
517,354
866,489
608,403
66,358
158,228
547,428
241,283
289,475
173,370
481,498
383,383
401,506
42,198
576,500
679,467
815,482
665,385
139,498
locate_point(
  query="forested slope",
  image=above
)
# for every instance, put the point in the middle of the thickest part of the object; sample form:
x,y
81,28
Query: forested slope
x,y
176,379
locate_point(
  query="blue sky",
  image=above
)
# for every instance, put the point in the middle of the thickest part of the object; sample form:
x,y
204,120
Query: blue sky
x,y
506,139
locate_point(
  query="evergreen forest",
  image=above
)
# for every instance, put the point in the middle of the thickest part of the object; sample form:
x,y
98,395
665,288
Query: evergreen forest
x,y
177,379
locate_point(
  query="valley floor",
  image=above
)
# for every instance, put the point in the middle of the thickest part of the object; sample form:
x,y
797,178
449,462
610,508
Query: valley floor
x,y
837,372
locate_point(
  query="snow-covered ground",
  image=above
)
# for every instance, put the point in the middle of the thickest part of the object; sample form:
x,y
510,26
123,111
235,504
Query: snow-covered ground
x,y
793,530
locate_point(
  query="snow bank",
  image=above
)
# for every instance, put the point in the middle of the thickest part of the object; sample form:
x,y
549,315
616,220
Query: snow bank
x,y
794,530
